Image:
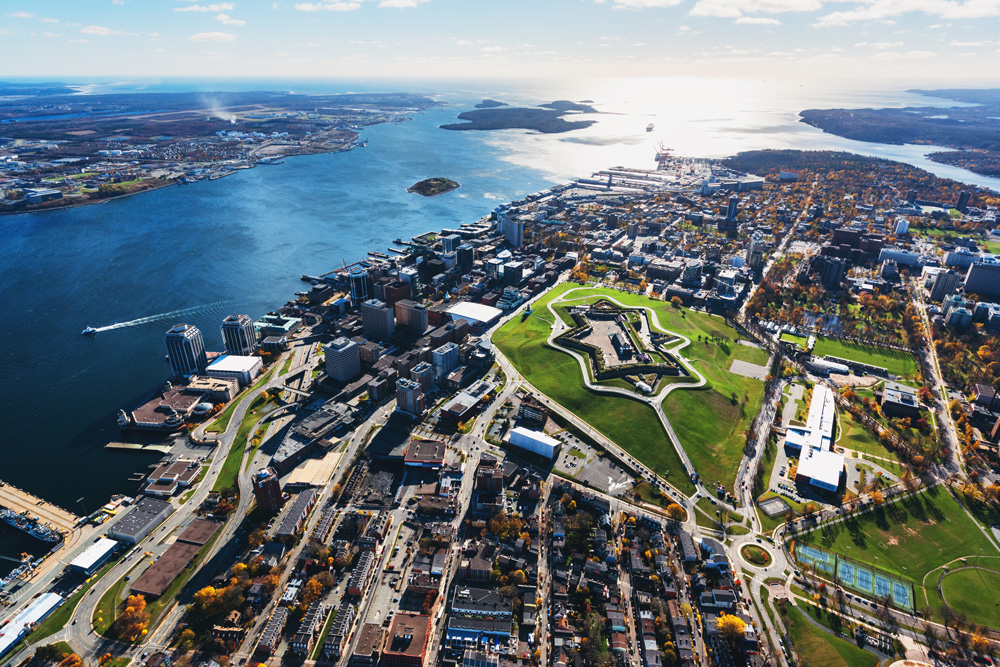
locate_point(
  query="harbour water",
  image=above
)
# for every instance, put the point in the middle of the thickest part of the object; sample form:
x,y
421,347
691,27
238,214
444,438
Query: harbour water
x,y
238,245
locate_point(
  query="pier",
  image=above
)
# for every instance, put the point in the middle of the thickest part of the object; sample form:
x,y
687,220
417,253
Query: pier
x,y
136,447
20,501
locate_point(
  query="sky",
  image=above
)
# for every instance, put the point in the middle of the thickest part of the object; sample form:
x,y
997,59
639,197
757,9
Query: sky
x,y
912,42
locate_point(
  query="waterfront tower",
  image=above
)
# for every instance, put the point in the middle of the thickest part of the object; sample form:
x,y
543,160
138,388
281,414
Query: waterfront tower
x,y
359,281
186,350
239,335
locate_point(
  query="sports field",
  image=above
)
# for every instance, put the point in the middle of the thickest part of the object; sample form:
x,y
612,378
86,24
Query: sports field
x,y
862,579
898,363
632,425
975,592
908,538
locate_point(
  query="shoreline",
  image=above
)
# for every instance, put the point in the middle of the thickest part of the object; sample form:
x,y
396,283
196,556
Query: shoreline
x,y
69,204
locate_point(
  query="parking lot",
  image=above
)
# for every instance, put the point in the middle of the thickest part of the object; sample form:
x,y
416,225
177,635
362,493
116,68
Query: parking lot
x,y
581,462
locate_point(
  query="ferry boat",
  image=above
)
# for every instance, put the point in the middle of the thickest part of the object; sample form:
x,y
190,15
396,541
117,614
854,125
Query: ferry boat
x,y
649,128
89,331
30,525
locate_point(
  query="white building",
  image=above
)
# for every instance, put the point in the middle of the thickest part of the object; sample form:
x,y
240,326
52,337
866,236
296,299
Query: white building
x,y
21,625
819,465
91,558
244,369
535,442
343,359
478,315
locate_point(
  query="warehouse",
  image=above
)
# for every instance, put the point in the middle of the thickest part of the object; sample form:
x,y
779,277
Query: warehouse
x,y
535,442
140,521
22,624
93,556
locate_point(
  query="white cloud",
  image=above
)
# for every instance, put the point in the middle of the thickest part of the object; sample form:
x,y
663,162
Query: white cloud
x,y
50,34
225,19
21,15
212,37
401,4
117,2
731,9
967,44
645,4
884,10
48,20
493,49
756,20
214,7
328,6
80,41
102,31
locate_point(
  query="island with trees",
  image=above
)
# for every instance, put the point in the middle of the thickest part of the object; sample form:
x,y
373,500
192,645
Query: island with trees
x,y
972,131
547,118
431,187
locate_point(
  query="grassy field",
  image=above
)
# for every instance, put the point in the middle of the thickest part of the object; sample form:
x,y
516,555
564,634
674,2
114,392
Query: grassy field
x,y
756,555
855,436
973,592
910,537
231,466
711,421
822,648
793,338
903,364
107,607
630,424
751,355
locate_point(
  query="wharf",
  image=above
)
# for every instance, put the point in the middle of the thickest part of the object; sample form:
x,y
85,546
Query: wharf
x,y
136,447
20,501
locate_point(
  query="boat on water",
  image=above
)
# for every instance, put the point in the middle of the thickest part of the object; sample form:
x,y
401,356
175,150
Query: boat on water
x,y
30,525
89,331
649,128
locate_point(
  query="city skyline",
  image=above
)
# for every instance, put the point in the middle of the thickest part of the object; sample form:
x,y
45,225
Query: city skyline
x,y
912,40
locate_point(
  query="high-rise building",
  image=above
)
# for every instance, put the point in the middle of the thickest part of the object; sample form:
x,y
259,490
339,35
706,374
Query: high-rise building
x,y
963,201
411,276
239,335
494,268
411,315
378,319
512,230
396,291
466,255
343,359
267,491
734,202
186,350
450,243
445,360
424,374
360,285
755,251
983,279
410,397
945,284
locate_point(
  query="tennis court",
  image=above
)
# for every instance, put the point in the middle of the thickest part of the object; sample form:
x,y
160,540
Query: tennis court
x,y
856,577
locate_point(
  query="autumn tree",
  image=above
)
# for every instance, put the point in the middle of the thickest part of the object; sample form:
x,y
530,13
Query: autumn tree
x,y
731,627
676,512
311,592
133,622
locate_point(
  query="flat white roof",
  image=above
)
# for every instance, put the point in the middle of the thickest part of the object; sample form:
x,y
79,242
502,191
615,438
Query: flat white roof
x,y
11,633
822,412
234,363
475,311
94,553
821,466
537,436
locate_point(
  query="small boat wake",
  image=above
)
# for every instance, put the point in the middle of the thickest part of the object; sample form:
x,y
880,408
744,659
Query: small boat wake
x,y
154,318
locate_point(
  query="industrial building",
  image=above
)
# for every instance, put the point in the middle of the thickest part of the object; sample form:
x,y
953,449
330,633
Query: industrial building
x,y
93,557
407,641
23,623
140,521
535,442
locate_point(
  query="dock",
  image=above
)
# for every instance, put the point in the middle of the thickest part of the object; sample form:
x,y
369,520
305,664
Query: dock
x,y
20,501
136,447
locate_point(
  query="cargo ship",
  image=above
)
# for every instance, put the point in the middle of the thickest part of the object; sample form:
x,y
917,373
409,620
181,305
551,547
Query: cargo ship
x,y
30,526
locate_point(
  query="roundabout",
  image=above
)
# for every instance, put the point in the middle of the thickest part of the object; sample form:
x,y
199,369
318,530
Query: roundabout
x,y
756,555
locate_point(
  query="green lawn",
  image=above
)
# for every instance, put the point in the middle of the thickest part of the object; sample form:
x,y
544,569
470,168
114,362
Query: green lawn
x,y
903,364
793,338
821,648
107,607
711,422
751,355
630,424
910,537
231,466
855,436
973,592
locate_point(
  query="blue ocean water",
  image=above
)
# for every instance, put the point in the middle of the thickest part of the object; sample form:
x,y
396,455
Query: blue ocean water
x,y
197,253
